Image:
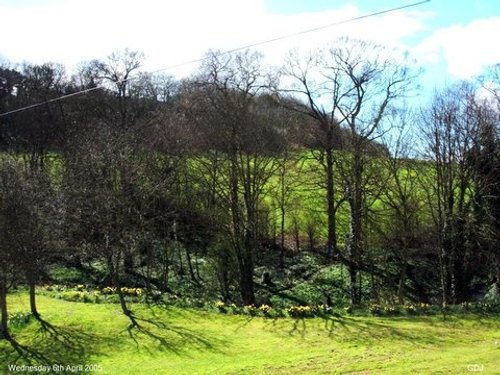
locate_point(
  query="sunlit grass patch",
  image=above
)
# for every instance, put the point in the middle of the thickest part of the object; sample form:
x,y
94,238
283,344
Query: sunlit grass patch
x,y
172,340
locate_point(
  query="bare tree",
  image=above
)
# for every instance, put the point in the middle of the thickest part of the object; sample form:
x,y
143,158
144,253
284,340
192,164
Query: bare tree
x,y
401,197
36,133
117,72
239,136
490,81
99,180
485,162
450,129
12,214
123,94
37,236
306,84
288,172
352,85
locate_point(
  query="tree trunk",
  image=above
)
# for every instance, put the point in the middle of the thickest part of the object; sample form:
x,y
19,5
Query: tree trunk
x,y
165,268
113,273
197,265
443,274
353,275
34,311
497,284
356,246
282,238
249,250
495,213
331,212
4,328
246,285
225,276
128,261
296,234
121,298
190,267
240,240
180,271
402,281
356,218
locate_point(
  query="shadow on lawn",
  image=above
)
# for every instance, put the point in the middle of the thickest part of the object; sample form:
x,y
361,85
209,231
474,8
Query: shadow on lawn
x,y
67,345
52,345
373,332
170,337
369,331
299,326
154,330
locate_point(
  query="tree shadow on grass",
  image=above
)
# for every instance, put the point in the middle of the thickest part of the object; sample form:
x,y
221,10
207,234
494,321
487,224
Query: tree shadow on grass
x,y
299,325
52,345
71,345
172,338
244,321
372,332
364,331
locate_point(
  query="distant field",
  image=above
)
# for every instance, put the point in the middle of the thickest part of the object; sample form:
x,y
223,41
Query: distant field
x,y
185,341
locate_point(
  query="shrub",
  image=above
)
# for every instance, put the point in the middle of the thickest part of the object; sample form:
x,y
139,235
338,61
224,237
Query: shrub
x,y
72,295
266,310
109,290
492,294
391,310
18,320
133,292
250,310
411,309
80,287
375,309
221,306
235,309
300,311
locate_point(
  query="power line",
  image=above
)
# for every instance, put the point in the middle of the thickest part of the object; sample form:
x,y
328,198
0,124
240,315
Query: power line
x,y
227,52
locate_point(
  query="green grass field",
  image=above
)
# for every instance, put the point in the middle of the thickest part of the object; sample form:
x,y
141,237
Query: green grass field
x,y
185,341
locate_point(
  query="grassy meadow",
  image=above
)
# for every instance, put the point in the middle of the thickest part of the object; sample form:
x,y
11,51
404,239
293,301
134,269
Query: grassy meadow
x,y
172,340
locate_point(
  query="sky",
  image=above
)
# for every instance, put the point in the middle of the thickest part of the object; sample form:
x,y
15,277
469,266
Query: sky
x,y
448,39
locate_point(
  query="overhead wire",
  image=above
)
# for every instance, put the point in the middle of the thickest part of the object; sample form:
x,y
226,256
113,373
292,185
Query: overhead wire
x,y
226,52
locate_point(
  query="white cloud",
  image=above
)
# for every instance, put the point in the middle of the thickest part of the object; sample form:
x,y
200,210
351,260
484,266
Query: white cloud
x,y
171,32
466,49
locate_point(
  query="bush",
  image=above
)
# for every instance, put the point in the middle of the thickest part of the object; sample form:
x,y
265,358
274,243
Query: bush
x,y
300,311
85,293
72,296
221,307
375,309
491,295
266,310
19,320
67,275
250,310
411,309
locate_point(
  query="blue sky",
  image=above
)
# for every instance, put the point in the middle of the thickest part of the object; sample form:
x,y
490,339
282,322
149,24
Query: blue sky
x,y
449,39
450,11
